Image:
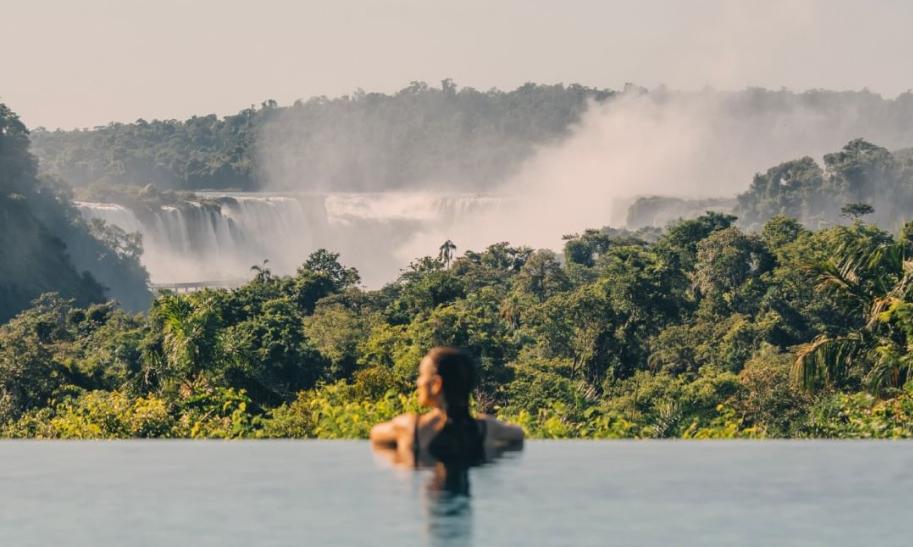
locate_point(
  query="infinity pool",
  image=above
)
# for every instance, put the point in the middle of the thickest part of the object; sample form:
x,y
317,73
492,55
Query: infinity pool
x,y
178,493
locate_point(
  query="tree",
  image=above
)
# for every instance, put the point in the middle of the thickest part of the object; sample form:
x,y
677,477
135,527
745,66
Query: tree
x,y
446,253
681,239
874,279
726,260
423,287
856,210
29,373
322,275
336,332
268,355
542,275
585,248
859,169
35,226
791,189
860,179
190,346
17,166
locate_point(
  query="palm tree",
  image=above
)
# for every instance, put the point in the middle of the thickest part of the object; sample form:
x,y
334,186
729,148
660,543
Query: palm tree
x,y
879,281
446,252
510,310
189,339
263,274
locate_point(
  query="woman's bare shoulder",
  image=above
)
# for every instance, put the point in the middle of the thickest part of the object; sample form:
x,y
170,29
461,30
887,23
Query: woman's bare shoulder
x,y
390,432
405,421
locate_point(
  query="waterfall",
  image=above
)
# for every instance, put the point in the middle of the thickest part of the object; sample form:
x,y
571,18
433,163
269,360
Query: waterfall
x,y
111,213
221,235
384,207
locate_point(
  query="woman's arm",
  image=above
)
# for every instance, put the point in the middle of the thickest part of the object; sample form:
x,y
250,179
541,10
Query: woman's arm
x,y
384,434
389,433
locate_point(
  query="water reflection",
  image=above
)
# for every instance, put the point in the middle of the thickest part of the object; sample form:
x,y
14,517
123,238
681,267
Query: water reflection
x,y
447,504
446,493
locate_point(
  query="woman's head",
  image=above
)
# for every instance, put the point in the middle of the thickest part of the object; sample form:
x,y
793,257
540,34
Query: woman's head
x,y
446,378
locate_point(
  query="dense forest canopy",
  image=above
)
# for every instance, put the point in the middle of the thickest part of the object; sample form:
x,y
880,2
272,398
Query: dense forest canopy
x,y
366,141
702,330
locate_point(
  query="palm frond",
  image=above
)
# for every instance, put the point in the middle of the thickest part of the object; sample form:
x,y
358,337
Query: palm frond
x,y
826,360
842,277
892,369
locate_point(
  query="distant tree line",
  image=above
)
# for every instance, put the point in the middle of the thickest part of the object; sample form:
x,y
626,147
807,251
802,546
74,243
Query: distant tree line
x,y
861,180
461,139
365,141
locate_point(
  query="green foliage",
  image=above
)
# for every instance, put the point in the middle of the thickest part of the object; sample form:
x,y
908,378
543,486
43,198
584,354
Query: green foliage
x,y
558,421
727,425
769,401
337,333
334,412
662,405
856,210
254,339
269,355
219,413
872,282
862,179
29,374
321,275
97,415
862,416
365,141
704,331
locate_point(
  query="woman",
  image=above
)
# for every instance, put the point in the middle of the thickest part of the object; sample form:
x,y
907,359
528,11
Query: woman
x,y
447,433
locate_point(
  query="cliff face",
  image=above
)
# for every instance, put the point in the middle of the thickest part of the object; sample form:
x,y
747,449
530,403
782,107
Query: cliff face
x,y
33,261
40,230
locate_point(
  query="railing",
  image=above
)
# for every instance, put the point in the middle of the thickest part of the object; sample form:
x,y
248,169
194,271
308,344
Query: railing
x,y
196,286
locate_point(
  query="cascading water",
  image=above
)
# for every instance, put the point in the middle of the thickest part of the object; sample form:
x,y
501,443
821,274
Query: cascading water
x,y
386,207
219,237
111,213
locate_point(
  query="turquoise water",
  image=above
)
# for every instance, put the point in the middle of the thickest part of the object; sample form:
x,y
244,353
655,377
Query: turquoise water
x,y
179,493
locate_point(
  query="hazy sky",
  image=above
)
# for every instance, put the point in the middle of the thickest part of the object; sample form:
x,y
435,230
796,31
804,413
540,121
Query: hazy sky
x,y
81,63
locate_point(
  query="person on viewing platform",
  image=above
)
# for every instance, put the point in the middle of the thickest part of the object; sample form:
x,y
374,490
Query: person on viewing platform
x,y
447,433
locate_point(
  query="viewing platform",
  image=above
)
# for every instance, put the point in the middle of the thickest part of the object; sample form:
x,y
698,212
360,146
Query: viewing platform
x,y
179,288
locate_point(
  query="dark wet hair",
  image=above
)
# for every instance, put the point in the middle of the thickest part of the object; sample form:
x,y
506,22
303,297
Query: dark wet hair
x,y
461,439
458,378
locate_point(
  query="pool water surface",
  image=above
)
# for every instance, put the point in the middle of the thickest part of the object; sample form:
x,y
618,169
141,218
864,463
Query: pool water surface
x,y
576,493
